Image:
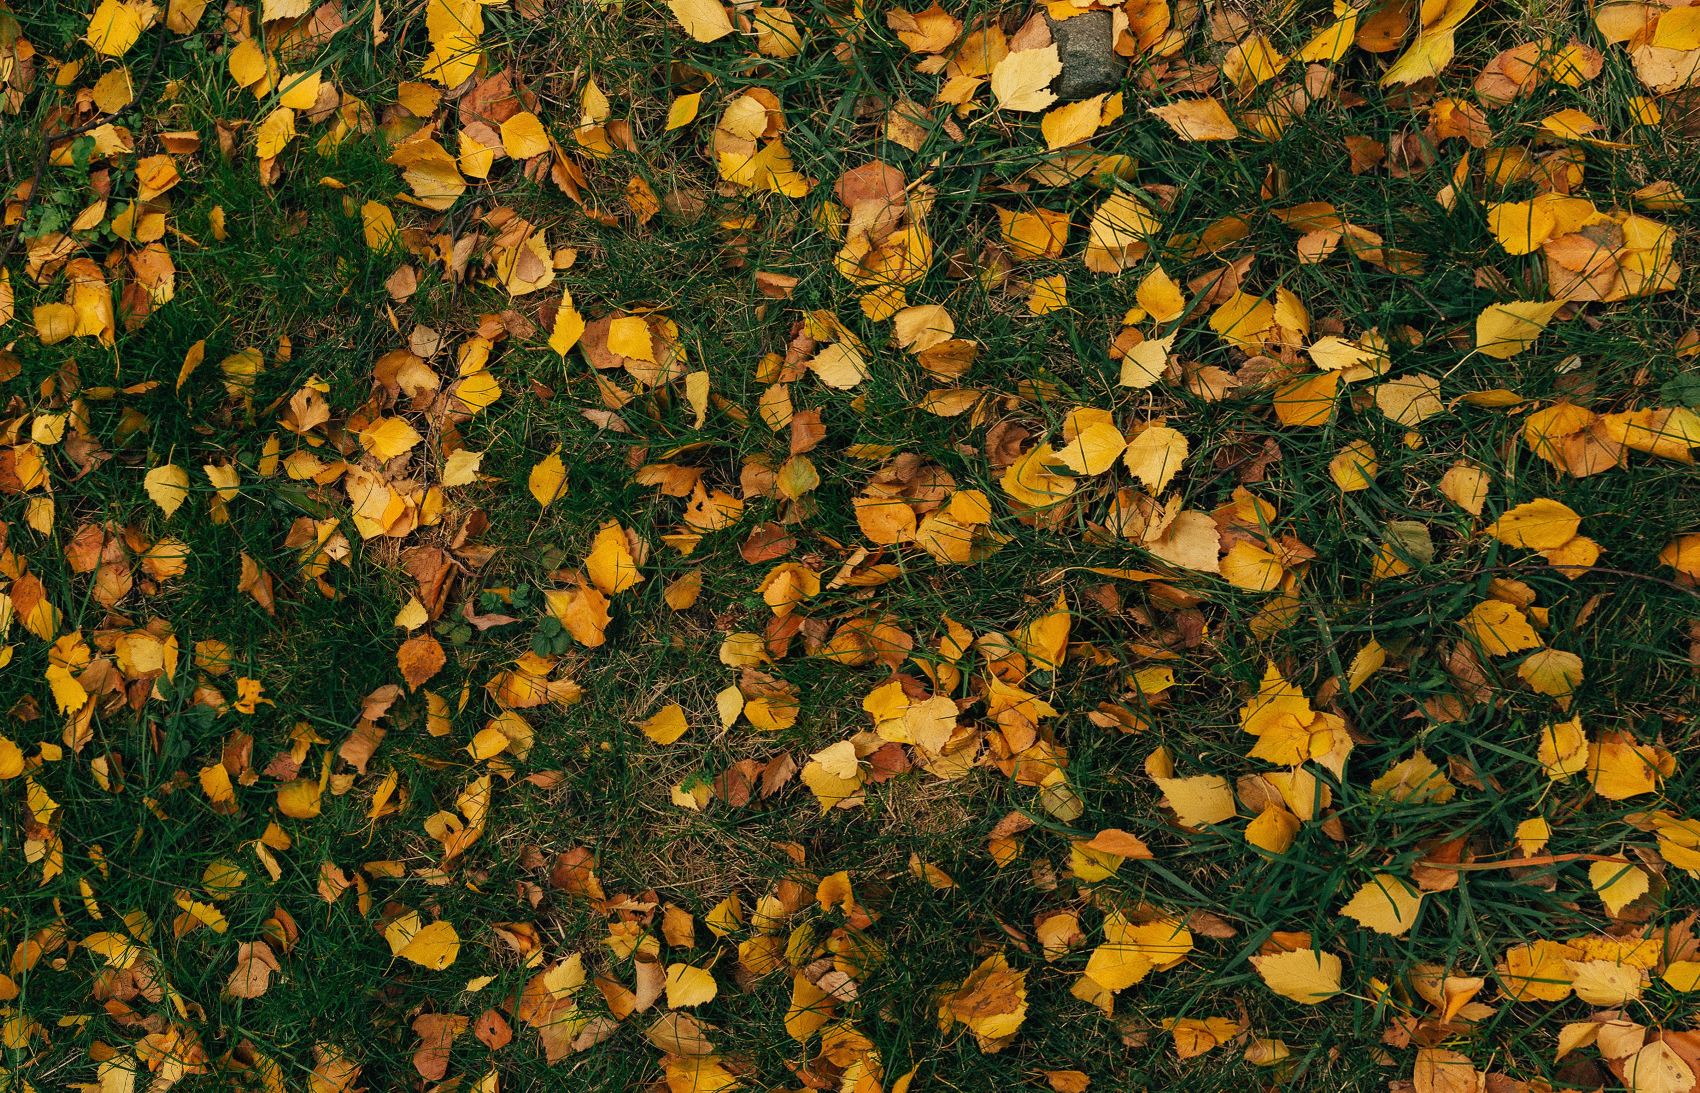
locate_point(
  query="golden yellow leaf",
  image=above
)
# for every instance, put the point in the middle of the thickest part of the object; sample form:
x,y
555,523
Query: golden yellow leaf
x,y
1145,364
1682,975
433,946
689,986
1500,628
1048,294
610,564
1355,467
1273,830
1541,524
378,223
1301,975
839,365
1072,122
523,136
388,437
1505,330
1604,982
461,467
116,25
1307,401
167,486
1537,972
704,20
1154,456
1410,400
1618,884
1552,672
683,111
667,725
1466,487
274,133
1657,1067
1093,450
1520,226
1160,296
548,480
1385,904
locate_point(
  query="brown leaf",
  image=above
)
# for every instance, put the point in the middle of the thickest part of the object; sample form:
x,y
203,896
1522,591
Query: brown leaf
x,y
492,1029
767,542
436,1032
420,657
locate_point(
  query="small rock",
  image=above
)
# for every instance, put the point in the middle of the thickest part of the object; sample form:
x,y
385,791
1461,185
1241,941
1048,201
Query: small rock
x,y
1087,50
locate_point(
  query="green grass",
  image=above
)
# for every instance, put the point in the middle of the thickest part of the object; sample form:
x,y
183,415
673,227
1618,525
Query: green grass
x,y
295,265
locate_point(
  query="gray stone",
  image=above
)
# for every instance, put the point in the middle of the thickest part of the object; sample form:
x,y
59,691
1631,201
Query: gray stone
x,y
1088,54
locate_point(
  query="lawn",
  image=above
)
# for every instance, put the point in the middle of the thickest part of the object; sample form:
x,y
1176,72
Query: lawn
x,y
567,545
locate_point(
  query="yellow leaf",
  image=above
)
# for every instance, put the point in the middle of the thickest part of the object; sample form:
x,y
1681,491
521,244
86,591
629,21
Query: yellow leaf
x,y
1563,749
1273,830
1466,487
610,564
1415,780
1604,982
1021,81
1355,467
167,486
548,479
274,133
1552,672
839,365
1072,123
1048,294
1154,456
1366,663
1410,400
1504,330
1431,52
667,725
1682,975
1308,401
1618,884
1160,296
1500,628
68,694
523,136
115,26
568,328
689,986
1301,975
1147,362
1537,972
704,20
487,743
1541,524
1093,450
683,111
435,946
378,223
389,437
114,91
1045,640
810,1008
1657,1067
1385,904
461,467
298,91
1197,119
1250,567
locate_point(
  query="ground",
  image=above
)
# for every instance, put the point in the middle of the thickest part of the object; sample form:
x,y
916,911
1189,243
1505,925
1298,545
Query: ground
x,y
652,546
